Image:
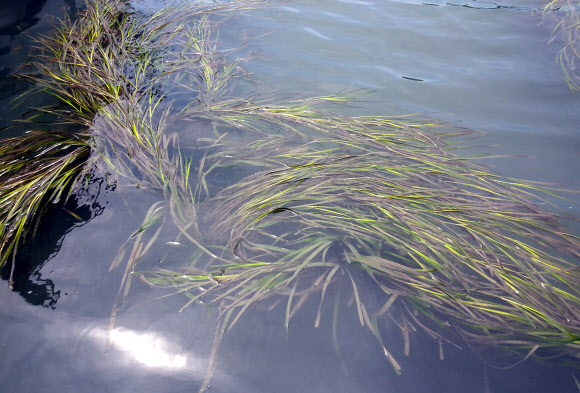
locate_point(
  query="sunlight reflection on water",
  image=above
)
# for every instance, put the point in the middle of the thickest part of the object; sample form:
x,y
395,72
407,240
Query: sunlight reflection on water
x,y
149,349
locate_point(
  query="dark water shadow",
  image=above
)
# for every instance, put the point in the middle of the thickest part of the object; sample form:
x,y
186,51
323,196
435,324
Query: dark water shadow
x,y
46,240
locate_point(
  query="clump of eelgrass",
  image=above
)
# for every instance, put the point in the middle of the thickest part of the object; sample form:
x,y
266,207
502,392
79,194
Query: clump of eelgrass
x,y
36,168
109,53
112,62
343,196
368,200
568,31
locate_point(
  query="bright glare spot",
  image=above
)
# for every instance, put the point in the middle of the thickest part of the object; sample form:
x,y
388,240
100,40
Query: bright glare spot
x,y
147,348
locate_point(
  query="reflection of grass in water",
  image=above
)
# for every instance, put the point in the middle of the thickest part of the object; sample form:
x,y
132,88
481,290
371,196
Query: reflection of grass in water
x,y
331,198
568,30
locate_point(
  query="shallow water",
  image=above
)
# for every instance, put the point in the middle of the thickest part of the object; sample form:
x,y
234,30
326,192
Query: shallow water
x,y
476,64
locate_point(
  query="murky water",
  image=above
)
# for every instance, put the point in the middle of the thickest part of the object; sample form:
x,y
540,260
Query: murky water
x,y
477,64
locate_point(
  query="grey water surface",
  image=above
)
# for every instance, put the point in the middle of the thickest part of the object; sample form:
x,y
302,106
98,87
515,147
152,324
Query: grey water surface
x,y
476,64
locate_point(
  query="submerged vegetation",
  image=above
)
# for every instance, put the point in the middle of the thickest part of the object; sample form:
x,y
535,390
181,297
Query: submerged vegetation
x,y
280,199
36,168
568,30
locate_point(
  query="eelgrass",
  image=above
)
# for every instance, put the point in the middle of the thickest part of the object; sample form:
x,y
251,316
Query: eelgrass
x,y
378,204
109,53
340,196
35,169
568,31
109,60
